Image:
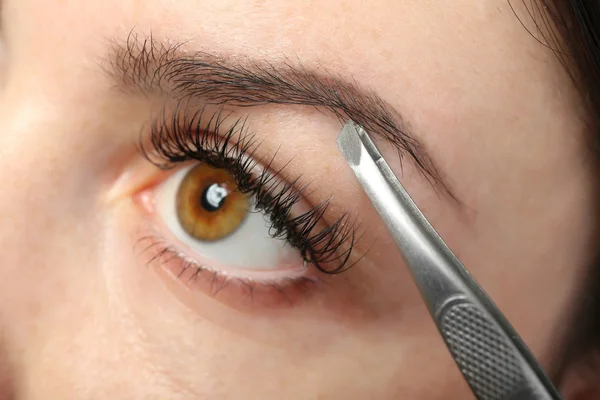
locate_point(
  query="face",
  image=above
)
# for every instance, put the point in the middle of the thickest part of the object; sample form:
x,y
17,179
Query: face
x,y
120,279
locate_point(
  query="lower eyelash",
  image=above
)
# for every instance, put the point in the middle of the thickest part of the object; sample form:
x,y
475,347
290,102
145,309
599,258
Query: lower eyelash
x,y
273,293
181,137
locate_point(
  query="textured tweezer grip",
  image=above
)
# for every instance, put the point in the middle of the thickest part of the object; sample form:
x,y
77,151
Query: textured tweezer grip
x,y
474,341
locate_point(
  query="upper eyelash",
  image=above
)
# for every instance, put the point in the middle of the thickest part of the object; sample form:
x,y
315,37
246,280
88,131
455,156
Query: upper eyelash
x,y
180,136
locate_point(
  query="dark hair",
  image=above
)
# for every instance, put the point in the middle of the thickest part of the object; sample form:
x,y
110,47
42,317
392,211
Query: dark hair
x,y
578,23
574,36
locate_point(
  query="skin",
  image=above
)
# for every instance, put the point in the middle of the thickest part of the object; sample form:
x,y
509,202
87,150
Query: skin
x,y
82,315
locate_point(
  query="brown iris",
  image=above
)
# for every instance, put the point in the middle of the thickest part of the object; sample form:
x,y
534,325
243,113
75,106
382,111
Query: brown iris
x,y
208,205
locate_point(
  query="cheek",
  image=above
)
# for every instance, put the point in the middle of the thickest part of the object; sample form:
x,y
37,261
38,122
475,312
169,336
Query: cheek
x,y
53,304
208,349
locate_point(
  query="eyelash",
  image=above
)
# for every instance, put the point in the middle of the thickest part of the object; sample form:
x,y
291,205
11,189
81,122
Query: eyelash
x,y
182,137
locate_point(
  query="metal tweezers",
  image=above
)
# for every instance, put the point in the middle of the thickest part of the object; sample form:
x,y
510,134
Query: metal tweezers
x,y
490,354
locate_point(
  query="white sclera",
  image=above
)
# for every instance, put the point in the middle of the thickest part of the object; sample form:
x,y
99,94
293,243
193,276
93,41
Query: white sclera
x,y
247,248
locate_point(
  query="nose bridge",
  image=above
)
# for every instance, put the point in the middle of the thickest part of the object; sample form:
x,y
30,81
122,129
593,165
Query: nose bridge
x,y
44,168
49,190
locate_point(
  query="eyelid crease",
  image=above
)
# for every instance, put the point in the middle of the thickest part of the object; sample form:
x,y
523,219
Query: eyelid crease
x,y
180,136
150,66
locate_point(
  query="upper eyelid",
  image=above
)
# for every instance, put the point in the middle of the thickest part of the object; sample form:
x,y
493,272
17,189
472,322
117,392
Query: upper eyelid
x,y
146,65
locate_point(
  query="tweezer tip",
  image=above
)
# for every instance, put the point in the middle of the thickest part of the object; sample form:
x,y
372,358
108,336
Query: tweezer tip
x,y
349,143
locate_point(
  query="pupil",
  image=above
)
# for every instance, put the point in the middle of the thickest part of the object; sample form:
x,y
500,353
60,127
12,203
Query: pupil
x,y
214,197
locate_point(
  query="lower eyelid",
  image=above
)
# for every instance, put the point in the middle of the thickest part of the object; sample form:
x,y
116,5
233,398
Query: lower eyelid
x,y
321,295
267,289
240,293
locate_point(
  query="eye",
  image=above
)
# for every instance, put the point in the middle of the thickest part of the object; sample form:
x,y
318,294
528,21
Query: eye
x,y
219,225
208,205
232,223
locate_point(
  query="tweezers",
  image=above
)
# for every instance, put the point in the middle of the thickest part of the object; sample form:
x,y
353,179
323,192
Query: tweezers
x,y
493,359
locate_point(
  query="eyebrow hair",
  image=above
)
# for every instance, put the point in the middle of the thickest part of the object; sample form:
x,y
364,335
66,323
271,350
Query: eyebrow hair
x,y
150,66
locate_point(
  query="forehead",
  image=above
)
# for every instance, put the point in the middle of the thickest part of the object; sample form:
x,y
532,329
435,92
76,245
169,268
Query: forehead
x,y
421,56
379,42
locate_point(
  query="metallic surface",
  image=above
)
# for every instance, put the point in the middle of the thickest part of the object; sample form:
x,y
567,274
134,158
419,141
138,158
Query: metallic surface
x,y
490,354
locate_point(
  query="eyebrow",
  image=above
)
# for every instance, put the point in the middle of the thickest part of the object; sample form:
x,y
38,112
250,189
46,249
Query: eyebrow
x,y
150,66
